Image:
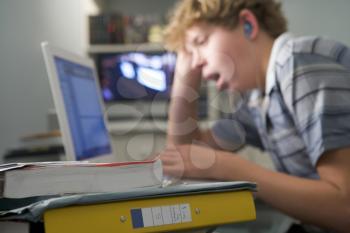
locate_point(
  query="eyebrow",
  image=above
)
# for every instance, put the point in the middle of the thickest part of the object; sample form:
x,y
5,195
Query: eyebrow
x,y
194,40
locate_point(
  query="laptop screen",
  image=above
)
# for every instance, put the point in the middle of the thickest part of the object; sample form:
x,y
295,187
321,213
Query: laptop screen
x,y
83,108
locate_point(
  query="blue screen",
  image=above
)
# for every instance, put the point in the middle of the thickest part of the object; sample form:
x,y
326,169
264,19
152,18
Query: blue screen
x,y
84,112
136,75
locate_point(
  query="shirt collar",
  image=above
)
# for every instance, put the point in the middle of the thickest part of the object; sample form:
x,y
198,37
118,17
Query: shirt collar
x,y
270,75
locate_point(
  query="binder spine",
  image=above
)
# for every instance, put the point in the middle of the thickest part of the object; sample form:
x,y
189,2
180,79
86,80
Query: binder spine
x,y
154,215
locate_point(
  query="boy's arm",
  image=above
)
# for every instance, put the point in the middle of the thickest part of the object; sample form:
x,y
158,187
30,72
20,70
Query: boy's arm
x,y
324,202
183,127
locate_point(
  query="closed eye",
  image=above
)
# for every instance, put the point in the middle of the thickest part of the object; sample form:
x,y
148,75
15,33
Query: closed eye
x,y
200,41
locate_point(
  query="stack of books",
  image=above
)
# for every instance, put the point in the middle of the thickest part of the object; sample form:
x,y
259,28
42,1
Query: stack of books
x,y
23,184
126,197
21,180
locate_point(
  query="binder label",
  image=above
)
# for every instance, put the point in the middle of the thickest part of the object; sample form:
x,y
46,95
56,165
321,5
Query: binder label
x,y
157,216
185,211
161,215
147,217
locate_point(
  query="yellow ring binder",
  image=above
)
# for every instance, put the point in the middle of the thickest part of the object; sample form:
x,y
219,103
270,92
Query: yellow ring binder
x,y
204,210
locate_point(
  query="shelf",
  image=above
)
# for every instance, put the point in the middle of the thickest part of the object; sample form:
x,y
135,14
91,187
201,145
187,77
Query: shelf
x,y
124,127
117,48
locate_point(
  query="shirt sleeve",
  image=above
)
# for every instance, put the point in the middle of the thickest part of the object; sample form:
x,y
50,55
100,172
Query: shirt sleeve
x,y
318,96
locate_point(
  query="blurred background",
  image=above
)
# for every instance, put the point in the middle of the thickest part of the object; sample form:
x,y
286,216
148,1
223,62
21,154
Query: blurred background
x,y
25,98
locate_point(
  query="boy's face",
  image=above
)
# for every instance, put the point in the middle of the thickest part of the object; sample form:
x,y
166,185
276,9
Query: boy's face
x,y
225,56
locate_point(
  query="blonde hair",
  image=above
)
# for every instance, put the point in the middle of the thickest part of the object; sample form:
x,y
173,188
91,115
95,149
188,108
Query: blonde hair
x,y
223,13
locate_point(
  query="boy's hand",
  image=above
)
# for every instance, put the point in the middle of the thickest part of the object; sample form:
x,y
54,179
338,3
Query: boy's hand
x,y
184,68
189,161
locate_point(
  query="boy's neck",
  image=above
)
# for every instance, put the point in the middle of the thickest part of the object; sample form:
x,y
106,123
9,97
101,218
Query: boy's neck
x,y
265,42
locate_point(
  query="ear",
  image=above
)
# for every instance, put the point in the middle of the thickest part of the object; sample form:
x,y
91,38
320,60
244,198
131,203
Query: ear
x,y
247,16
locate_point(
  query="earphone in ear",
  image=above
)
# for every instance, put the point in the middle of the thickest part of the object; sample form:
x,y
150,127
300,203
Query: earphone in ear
x,y
248,28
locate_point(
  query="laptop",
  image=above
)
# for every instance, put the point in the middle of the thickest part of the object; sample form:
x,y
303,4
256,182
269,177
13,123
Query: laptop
x,y
79,105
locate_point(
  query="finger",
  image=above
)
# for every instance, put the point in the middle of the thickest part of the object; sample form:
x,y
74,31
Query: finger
x,y
170,159
170,153
173,171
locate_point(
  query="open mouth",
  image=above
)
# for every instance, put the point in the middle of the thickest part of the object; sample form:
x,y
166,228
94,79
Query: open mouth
x,y
213,77
221,83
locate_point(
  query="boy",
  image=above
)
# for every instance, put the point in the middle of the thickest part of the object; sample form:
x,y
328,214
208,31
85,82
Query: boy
x,y
297,109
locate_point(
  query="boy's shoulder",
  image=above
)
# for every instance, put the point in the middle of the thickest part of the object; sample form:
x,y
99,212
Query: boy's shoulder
x,y
296,48
306,65
310,54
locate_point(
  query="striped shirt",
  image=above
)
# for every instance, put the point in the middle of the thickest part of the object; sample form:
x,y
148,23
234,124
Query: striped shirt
x,y
305,109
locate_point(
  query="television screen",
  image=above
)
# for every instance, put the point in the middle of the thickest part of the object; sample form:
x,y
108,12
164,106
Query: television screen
x,y
136,75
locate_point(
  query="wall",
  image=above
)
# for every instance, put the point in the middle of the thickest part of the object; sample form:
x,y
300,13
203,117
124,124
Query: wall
x,y
24,90
319,17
